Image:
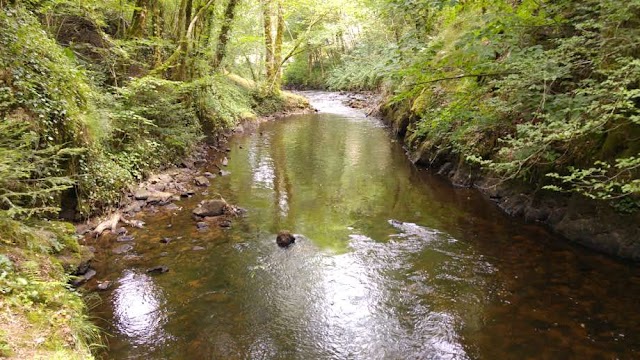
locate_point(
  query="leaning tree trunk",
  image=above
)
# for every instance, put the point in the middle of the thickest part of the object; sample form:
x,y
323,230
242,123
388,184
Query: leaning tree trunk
x,y
221,49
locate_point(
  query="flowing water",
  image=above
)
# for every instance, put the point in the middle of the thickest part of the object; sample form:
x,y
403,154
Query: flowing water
x,y
390,263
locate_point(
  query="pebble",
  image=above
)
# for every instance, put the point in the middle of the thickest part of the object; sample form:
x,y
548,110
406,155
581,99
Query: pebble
x,y
104,285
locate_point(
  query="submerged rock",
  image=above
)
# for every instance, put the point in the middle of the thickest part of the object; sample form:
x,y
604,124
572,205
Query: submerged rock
x,y
210,208
136,223
85,277
104,285
285,238
224,172
122,249
172,207
124,238
160,269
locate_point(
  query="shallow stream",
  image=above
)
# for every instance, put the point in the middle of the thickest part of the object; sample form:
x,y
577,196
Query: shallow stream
x,y
390,263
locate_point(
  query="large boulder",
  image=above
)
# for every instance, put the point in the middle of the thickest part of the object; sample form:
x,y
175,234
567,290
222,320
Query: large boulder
x,y
211,208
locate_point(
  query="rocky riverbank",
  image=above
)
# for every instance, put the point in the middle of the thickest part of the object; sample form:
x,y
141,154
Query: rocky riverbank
x,y
591,223
163,192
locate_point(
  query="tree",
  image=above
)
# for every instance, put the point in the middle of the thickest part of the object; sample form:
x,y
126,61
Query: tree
x,y
268,39
223,39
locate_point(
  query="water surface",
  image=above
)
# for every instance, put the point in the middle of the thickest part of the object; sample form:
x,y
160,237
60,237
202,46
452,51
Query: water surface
x,y
390,263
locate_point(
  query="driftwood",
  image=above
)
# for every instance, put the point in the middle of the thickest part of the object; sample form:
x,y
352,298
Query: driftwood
x,y
111,223
134,223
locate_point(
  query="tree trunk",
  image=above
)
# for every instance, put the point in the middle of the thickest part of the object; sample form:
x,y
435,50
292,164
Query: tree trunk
x,y
268,39
221,49
180,28
157,23
185,19
277,73
139,20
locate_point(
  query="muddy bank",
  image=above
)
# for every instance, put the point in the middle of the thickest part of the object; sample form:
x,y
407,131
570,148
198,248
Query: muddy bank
x,y
591,223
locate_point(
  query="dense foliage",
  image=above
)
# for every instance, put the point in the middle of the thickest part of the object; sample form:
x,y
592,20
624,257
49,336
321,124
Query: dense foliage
x,y
95,95
536,91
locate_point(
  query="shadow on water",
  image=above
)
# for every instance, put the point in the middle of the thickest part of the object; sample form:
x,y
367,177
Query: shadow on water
x,y
390,263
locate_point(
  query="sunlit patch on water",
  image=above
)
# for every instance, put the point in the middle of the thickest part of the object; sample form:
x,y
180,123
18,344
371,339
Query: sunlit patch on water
x,y
139,309
371,302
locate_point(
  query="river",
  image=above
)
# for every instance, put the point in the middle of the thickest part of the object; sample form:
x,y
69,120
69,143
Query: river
x,y
390,262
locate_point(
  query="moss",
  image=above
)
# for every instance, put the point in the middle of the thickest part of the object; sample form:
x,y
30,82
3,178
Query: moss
x,y
102,140
39,316
621,142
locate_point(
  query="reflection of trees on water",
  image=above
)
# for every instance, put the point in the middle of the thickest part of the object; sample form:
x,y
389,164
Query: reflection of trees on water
x,y
282,192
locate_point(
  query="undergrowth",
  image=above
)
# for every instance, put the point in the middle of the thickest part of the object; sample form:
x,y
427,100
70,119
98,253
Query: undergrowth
x,y
82,116
537,92
41,317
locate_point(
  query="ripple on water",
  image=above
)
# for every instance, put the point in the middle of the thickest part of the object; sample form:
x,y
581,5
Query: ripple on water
x,y
139,309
